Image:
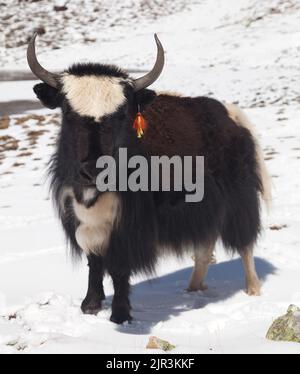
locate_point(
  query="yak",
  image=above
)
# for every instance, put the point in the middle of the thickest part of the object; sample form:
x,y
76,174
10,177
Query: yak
x,y
124,232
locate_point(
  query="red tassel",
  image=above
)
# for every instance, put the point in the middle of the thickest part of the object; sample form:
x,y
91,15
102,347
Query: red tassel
x,y
140,125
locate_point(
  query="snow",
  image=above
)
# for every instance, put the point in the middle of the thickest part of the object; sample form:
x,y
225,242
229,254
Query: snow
x,y
245,52
15,91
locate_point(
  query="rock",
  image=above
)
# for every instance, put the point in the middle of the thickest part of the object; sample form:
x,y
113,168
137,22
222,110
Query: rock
x,y
157,343
287,327
4,123
40,30
58,8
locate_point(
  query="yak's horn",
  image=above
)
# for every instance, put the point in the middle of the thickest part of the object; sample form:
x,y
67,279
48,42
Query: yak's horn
x,y
37,69
151,77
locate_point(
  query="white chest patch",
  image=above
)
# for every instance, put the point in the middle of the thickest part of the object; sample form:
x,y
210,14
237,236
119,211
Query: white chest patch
x,y
93,96
96,223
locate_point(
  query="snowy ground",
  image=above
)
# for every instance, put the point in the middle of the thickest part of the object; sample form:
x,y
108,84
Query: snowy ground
x,y
248,53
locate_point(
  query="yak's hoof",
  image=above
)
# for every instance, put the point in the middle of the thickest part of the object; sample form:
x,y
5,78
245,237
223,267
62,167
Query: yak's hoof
x,y
202,287
253,290
253,287
91,306
120,316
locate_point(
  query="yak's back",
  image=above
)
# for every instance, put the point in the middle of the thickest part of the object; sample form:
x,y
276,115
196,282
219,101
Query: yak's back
x,y
198,126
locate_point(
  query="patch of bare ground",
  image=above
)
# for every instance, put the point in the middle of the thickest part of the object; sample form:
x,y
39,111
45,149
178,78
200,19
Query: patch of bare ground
x,y
25,154
9,108
18,164
277,227
34,135
4,123
272,152
8,143
39,118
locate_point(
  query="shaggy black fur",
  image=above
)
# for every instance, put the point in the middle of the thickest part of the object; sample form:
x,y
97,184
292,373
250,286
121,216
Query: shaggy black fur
x,y
149,220
97,69
95,293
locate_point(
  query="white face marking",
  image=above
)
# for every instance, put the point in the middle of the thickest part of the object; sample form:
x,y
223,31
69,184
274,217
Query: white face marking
x,y
96,223
93,96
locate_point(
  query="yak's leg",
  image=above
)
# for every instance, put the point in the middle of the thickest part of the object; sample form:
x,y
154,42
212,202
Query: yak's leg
x,y
203,257
213,259
95,293
253,284
120,304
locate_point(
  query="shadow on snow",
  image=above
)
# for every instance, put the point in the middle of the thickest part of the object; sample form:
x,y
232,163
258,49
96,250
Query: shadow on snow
x,y
156,300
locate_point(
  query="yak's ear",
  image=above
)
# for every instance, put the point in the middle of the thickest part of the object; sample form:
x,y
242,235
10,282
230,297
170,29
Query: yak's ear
x,y
144,98
49,96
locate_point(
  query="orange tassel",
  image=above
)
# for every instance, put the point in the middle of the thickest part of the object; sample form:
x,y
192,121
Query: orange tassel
x,y
140,125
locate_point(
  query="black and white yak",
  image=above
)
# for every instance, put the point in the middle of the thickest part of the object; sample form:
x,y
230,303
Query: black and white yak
x,y
123,233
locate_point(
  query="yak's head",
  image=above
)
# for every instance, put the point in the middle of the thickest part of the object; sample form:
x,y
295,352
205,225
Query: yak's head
x,y
94,98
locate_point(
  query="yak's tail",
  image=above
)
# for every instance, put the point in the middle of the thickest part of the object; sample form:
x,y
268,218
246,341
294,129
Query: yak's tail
x,y
238,116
